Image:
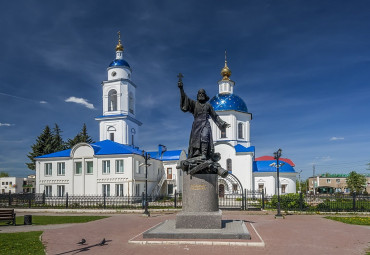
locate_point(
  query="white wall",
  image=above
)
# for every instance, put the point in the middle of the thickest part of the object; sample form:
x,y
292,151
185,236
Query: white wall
x,y
241,163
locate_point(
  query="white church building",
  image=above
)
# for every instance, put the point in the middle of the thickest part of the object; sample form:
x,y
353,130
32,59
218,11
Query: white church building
x,y
116,167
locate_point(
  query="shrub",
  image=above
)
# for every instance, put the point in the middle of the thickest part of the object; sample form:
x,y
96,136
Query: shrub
x,y
288,202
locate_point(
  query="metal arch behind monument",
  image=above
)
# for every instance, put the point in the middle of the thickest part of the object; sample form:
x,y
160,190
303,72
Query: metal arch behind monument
x,y
232,179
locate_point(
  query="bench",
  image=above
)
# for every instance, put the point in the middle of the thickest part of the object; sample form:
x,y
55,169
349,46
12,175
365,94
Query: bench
x,y
7,215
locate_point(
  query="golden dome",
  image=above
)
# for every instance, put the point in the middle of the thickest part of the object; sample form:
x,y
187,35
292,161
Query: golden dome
x,y
119,46
225,72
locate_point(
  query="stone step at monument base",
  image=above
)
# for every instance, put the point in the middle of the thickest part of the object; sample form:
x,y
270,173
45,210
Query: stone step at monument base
x,y
230,229
202,220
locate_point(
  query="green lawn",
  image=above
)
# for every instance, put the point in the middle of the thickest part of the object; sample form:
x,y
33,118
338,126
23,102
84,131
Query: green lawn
x,y
351,220
46,220
21,243
29,242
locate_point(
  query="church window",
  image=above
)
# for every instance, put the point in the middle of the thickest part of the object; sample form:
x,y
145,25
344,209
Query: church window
x,y
61,168
78,167
89,167
137,189
106,190
119,190
106,166
111,136
61,189
48,169
260,187
48,191
119,166
229,166
240,130
223,133
137,167
283,188
112,100
131,103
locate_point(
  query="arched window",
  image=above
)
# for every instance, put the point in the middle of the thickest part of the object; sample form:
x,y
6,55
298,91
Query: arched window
x,y
111,130
223,133
240,130
131,103
229,165
112,100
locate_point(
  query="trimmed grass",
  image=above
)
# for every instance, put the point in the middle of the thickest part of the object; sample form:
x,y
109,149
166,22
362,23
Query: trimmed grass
x,y
351,220
29,242
46,220
21,243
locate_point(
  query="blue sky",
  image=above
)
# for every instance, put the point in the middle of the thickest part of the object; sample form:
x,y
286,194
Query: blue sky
x,y
302,67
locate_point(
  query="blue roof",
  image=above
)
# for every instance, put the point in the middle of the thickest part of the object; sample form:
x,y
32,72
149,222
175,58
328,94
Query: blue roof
x,y
65,153
167,155
119,62
264,166
106,147
227,102
241,148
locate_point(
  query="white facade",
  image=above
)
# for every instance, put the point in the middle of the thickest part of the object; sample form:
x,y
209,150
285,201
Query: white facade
x,y
115,167
268,183
84,173
11,184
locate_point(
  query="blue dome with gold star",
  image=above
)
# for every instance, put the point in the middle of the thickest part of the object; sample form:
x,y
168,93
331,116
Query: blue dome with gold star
x,y
119,62
228,102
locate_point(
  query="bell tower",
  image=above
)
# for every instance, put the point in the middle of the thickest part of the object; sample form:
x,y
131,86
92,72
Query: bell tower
x,y
118,122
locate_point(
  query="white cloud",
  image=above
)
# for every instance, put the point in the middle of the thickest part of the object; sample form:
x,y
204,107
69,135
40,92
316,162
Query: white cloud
x,y
43,102
5,124
82,101
334,138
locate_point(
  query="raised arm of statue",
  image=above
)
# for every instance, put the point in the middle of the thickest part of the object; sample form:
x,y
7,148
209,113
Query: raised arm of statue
x,y
186,104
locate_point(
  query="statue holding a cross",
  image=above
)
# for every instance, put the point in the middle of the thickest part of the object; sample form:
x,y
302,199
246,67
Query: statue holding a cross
x,y
200,142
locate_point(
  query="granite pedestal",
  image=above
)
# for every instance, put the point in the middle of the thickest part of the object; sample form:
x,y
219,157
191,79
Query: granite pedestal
x,y
200,217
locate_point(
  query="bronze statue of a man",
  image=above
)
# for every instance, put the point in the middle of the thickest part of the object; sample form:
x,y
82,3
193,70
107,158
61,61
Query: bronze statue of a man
x,y
200,142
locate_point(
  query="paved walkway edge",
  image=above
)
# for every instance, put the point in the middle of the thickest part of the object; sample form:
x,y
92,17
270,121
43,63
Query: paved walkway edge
x,y
172,242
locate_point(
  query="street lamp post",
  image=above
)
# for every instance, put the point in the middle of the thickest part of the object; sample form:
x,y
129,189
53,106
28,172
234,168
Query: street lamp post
x,y
277,156
146,157
299,181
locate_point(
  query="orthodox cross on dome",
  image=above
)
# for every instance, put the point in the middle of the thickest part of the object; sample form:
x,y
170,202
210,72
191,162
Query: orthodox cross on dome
x,y
119,46
226,72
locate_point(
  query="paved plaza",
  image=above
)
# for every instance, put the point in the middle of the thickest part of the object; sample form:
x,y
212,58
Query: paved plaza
x,y
296,234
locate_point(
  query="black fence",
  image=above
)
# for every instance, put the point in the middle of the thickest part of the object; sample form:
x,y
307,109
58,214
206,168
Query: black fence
x,y
246,200
41,200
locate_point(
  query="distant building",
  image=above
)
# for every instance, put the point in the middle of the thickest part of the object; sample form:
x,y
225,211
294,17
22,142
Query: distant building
x,y
11,185
29,184
331,183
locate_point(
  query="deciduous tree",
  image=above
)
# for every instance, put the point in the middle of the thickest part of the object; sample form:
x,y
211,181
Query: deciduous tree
x,y
356,182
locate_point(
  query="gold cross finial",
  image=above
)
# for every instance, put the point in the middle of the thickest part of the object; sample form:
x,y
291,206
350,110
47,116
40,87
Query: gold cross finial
x,y
225,58
119,46
225,72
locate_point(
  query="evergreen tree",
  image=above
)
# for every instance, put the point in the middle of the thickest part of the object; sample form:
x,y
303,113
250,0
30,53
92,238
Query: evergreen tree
x,y
57,142
356,182
81,137
84,136
42,146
